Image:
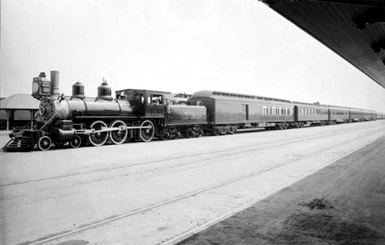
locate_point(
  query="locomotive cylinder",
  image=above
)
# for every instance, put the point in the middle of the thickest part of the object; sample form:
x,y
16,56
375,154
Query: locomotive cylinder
x,y
55,83
64,134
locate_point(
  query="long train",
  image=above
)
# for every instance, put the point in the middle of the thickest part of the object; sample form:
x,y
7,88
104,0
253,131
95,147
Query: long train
x,y
144,114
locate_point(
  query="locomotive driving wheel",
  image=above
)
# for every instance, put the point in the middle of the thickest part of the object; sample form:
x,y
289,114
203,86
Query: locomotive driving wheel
x,y
118,136
98,138
44,143
147,131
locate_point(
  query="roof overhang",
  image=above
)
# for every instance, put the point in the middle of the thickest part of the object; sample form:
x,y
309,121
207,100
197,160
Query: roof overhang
x,y
355,30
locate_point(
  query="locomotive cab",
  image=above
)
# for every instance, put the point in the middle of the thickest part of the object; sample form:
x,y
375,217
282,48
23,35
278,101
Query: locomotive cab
x,y
145,103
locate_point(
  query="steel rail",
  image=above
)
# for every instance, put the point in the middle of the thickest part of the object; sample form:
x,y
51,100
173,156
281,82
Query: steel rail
x,y
244,149
221,153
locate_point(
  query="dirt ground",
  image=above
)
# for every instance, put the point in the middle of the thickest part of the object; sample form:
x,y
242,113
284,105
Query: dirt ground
x,y
341,204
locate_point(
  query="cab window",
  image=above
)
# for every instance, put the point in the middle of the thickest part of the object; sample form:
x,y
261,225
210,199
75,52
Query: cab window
x,y
156,99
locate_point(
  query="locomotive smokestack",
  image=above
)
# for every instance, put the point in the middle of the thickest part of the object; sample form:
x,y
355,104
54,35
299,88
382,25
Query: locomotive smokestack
x,y
55,83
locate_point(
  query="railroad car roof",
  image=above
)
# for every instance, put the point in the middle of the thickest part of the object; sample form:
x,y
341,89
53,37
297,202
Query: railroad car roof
x,y
308,104
179,95
216,94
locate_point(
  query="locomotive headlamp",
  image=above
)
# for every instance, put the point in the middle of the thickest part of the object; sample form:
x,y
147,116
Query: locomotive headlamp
x,y
35,87
41,86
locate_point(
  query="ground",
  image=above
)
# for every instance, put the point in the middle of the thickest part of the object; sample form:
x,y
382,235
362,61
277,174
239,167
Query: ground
x,y
163,192
341,204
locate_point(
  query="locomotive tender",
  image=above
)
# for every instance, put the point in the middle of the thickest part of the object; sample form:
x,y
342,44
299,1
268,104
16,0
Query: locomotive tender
x,y
145,114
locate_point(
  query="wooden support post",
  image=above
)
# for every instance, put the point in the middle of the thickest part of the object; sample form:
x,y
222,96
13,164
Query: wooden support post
x,y
7,118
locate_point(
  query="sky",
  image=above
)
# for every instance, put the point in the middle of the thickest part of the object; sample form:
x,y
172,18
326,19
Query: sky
x,y
239,46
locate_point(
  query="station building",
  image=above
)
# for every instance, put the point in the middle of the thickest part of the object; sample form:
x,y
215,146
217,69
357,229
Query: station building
x,y
17,110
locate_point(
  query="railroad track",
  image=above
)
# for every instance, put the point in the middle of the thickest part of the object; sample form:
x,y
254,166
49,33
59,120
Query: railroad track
x,y
196,192
163,165
211,154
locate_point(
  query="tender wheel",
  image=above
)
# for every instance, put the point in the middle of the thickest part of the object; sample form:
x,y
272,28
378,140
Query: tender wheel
x,y
230,129
44,143
200,133
190,133
147,131
76,142
174,134
98,138
165,134
119,136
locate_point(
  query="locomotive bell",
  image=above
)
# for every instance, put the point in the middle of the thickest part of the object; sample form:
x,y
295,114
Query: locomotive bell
x,y
78,90
104,91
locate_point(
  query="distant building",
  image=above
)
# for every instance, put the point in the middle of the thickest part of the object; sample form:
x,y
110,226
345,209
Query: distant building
x,y
17,110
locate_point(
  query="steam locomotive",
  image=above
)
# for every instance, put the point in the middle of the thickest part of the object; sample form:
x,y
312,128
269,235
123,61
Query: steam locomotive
x,y
144,114
77,120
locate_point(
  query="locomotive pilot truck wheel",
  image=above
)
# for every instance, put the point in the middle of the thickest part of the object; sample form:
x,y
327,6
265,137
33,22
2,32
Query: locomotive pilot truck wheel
x,y
44,143
147,131
76,142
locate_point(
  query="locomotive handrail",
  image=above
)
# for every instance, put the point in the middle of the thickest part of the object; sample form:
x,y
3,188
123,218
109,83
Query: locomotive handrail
x,y
50,119
16,129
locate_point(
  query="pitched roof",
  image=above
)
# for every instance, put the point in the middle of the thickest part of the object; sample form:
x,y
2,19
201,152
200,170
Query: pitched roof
x,y
19,101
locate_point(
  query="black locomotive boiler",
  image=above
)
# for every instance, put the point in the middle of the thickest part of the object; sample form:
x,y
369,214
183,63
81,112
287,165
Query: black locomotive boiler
x,y
77,120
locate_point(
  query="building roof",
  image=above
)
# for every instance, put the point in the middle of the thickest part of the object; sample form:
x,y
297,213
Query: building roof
x,y
353,29
19,101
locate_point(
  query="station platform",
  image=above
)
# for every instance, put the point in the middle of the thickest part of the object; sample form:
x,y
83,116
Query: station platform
x,y
341,204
